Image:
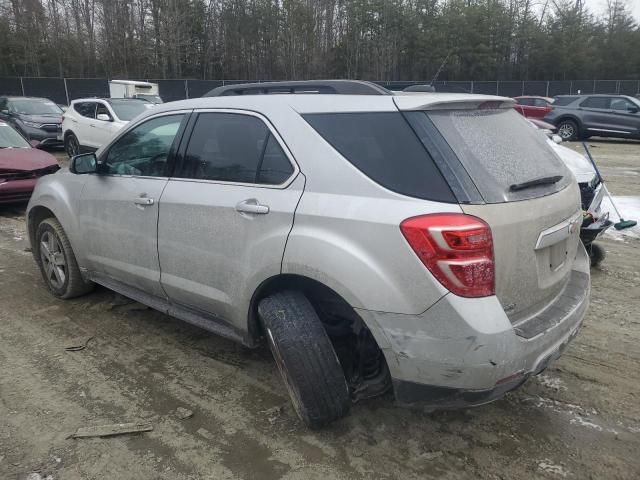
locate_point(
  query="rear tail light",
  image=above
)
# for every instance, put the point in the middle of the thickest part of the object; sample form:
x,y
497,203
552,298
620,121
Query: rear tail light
x,y
457,249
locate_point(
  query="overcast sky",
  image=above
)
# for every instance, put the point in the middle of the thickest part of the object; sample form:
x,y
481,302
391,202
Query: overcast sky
x,y
599,6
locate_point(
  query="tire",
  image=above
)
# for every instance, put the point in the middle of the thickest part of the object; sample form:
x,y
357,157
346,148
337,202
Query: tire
x,y
71,145
568,130
596,254
305,357
57,262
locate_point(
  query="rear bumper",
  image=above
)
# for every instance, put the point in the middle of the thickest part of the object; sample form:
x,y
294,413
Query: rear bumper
x,y
465,352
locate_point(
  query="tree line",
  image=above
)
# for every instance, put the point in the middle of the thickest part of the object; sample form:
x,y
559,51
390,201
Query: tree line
x,y
301,39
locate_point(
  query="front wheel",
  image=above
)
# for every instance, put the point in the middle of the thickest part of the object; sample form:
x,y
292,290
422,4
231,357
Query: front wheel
x,y
568,130
305,357
71,145
57,262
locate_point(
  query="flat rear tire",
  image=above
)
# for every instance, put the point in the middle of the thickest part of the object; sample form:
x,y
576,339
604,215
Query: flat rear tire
x,y
305,357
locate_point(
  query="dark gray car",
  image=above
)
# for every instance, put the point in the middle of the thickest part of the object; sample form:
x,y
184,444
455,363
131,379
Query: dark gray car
x,y
37,119
582,116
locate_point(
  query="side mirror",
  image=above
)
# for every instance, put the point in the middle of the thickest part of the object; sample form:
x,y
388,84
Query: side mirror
x,y
104,117
556,138
4,112
34,143
633,109
84,163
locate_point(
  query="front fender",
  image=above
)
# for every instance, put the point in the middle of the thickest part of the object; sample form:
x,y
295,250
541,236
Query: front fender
x,y
58,193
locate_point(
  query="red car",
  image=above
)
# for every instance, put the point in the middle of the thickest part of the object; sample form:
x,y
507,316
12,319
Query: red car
x,y
21,165
534,107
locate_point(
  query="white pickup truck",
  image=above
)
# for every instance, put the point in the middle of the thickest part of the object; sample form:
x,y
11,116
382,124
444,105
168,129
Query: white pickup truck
x,y
135,89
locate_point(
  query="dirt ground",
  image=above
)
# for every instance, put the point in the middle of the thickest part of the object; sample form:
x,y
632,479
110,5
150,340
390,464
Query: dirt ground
x,y
580,419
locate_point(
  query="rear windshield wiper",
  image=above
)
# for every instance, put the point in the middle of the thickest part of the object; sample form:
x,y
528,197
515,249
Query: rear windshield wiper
x,y
534,183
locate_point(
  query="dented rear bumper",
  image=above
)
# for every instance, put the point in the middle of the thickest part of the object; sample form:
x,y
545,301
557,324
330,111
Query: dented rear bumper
x,y
465,351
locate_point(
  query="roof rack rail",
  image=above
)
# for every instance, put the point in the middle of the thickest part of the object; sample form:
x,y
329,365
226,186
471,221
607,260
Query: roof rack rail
x,y
343,87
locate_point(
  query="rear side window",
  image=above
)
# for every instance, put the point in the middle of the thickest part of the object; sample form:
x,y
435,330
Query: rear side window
x,y
562,101
232,147
596,102
501,152
384,147
525,101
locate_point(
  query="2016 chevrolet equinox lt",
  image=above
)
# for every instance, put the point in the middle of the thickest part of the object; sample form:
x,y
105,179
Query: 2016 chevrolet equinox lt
x,y
423,244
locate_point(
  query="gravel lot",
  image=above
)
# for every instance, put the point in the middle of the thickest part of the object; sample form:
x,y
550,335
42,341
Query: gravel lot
x,y
580,419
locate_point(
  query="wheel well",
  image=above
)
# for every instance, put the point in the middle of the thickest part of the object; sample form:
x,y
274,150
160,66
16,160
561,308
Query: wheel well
x,y
569,117
360,356
37,215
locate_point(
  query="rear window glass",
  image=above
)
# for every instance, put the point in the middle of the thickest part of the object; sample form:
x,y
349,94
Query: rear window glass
x,y
384,147
500,150
129,109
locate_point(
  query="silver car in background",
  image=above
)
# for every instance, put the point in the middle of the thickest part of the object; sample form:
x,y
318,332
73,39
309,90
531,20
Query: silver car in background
x,y
401,244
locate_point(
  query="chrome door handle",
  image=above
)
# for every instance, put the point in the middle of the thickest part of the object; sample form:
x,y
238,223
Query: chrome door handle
x,y
143,201
252,206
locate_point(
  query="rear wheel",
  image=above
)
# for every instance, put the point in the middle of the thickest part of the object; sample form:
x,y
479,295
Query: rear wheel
x,y
57,262
568,130
305,357
596,254
71,145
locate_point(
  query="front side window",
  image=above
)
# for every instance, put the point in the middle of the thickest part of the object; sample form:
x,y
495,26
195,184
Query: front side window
x,y
236,148
144,150
622,104
102,110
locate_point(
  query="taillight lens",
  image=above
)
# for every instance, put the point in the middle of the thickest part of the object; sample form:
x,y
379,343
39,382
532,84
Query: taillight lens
x,y
457,249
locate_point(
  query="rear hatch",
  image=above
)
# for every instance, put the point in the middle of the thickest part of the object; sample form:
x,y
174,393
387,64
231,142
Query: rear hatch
x,y
505,173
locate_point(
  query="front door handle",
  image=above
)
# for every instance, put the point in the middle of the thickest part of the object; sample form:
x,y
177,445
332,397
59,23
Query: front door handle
x,y
252,206
143,201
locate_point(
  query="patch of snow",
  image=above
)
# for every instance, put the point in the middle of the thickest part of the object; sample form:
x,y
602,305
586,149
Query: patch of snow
x,y
548,467
629,207
553,383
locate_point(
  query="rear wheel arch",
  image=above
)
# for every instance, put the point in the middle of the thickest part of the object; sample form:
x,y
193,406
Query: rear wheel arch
x,y
313,289
345,327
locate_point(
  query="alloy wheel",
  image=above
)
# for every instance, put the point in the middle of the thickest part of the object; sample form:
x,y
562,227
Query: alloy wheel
x,y
53,261
566,131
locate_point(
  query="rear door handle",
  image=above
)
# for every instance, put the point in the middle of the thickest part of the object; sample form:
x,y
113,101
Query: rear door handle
x,y
143,201
252,206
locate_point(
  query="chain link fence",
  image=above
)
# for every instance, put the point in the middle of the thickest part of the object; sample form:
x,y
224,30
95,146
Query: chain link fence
x,y
63,90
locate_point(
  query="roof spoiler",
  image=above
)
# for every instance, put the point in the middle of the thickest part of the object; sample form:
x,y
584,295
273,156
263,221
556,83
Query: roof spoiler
x,y
454,101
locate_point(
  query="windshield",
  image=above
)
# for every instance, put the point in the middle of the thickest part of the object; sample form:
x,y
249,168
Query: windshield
x,y
128,109
9,138
150,98
501,153
35,106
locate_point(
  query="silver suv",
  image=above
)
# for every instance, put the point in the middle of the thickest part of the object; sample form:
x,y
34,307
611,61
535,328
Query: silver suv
x,y
425,245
